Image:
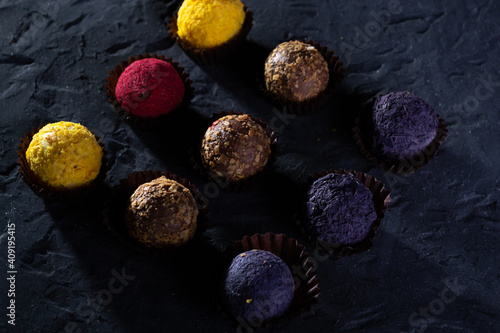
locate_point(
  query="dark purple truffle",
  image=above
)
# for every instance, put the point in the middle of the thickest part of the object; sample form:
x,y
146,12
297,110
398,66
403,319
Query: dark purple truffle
x,y
403,125
258,287
340,209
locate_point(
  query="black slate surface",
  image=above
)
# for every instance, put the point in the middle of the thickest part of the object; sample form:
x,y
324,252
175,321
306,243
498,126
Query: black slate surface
x,y
434,263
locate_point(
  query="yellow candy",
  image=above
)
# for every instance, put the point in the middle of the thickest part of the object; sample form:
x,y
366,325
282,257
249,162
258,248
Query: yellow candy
x,y
206,24
64,155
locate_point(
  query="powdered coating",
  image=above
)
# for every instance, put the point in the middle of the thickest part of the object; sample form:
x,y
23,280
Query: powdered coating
x,y
296,71
64,155
207,24
149,88
235,147
404,125
162,213
259,286
340,209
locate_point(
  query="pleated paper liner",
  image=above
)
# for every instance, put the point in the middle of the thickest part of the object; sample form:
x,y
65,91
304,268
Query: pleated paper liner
x,y
47,192
115,211
293,254
405,166
147,123
336,76
222,182
216,55
381,200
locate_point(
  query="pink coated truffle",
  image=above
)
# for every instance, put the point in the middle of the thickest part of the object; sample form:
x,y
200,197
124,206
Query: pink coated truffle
x,y
150,88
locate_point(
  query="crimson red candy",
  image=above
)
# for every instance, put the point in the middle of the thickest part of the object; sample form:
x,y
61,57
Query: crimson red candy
x,y
150,88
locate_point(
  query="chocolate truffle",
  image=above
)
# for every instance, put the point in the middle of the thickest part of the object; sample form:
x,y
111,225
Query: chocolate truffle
x,y
258,286
403,125
340,209
162,214
206,24
235,147
64,155
149,88
296,71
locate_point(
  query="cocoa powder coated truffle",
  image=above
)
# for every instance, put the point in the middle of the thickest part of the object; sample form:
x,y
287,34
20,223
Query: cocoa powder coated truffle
x,y
340,209
162,214
296,71
235,147
258,286
149,88
403,125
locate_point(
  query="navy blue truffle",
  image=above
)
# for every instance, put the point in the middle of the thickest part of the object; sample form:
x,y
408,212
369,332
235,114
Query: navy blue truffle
x,y
258,287
404,125
340,209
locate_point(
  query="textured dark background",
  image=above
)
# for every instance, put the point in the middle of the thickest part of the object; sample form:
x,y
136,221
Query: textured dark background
x,y
442,224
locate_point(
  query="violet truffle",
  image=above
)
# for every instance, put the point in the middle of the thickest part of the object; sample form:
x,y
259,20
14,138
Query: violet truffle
x,y
235,147
258,287
162,214
296,71
340,209
403,125
150,87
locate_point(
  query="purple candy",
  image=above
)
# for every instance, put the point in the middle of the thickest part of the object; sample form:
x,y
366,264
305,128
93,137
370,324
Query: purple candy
x,y
258,287
340,209
404,125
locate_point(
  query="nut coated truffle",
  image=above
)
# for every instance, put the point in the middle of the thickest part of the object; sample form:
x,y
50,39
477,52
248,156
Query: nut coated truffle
x,y
162,214
149,88
340,209
206,24
296,72
64,155
258,286
403,125
235,147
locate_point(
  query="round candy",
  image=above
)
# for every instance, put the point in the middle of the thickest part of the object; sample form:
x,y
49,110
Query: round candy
x,y
296,71
340,209
162,214
206,24
403,125
235,147
64,155
258,286
149,88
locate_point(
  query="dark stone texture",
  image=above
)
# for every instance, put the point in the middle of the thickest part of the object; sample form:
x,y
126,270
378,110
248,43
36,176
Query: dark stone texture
x,y
442,228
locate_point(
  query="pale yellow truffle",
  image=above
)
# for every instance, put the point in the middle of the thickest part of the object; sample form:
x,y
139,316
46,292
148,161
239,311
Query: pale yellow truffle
x,y
206,24
64,155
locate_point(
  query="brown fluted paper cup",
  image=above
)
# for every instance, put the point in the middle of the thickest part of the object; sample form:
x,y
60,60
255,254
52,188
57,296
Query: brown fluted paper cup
x,y
381,200
293,254
216,55
223,183
336,76
115,210
147,123
362,135
45,191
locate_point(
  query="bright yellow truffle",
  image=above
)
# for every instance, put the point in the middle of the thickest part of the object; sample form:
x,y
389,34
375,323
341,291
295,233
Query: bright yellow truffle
x,y
64,155
207,24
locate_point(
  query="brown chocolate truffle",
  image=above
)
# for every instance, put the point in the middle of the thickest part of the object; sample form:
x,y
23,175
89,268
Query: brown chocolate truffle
x,y
296,71
162,214
235,147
